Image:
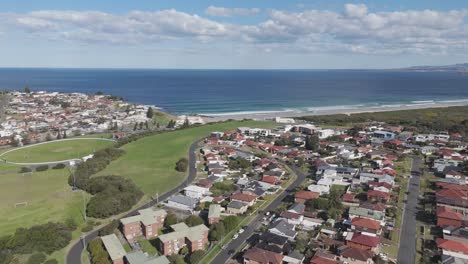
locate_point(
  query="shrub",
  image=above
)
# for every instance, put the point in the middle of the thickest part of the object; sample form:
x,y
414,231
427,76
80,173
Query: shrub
x,y
59,166
36,258
182,165
87,228
51,261
42,168
45,238
25,170
197,256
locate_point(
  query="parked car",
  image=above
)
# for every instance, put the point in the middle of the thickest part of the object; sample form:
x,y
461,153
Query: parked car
x,y
235,236
241,231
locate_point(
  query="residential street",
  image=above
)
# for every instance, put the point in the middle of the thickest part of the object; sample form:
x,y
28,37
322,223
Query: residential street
x,y
407,250
74,255
234,245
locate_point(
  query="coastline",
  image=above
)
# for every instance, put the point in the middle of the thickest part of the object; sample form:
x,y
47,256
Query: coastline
x,y
269,115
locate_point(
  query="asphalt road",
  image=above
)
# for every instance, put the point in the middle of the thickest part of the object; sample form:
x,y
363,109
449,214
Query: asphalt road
x,y
74,255
407,250
235,244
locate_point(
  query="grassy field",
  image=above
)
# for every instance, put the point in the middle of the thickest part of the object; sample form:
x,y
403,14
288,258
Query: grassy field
x,y
57,150
150,161
48,197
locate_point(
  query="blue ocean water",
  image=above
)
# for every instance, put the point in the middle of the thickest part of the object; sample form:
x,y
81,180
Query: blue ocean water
x,y
232,91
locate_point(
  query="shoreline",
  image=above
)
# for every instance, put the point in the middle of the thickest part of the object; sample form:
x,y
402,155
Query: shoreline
x,y
269,115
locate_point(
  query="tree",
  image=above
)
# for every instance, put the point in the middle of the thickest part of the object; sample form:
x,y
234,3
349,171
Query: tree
x,y
194,220
59,136
197,256
141,125
231,222
312,142
51,261
64,134
99,92
176,259
184,251
158,125
48,137
186,123
150,113
171,219
217,232
171,124
135,127
146,125
182,165
27,89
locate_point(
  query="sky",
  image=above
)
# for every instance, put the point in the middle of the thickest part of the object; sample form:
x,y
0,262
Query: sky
x,y
241,34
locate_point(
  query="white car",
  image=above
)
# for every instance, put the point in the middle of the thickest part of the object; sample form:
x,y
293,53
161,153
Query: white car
x,y
241,231
235,236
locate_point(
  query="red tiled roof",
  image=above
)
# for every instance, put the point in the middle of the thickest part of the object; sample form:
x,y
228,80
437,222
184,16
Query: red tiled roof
x,y
451,193
290,215
378,194
359,254
263,256
369,241
452,245
306,195
348,197
243,197
446,212
452,186
270,179
322,260
366,223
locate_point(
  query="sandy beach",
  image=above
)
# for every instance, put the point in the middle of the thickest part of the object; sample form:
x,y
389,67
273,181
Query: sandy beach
x,y
268,115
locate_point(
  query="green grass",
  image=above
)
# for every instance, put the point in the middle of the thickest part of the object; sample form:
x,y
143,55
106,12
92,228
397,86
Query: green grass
x,y
57,150
147,247
150,161
48,196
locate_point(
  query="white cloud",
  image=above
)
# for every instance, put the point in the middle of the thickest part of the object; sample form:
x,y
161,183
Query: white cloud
x,y
227,12
355,29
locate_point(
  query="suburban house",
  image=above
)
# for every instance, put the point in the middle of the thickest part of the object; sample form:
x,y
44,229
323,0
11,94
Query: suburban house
x,y
214,213
449,217
283,228
114,248
147,223
236,207
195,238
303,196
362,241
245,198
367,213
195,191
356,256
182,202
259,256
454,249
365,225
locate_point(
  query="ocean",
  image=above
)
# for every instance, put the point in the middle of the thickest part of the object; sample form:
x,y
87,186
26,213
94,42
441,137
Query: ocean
x,y
220,92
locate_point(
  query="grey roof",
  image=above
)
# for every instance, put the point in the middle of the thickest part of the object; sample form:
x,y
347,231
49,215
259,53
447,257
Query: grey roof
x,y
297,207
142,258
185,200
366,213
296,255
236,204
113,246
214,211
283,227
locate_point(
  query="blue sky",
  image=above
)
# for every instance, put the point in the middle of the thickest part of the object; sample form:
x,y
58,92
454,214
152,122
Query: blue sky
x,y
232,34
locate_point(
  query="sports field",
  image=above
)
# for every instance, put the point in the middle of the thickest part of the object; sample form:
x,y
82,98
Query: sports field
x,y
56,150
150,161
36,198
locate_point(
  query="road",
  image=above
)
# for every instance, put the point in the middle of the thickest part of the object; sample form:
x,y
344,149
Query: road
x,y
407,250
74,254
235,244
